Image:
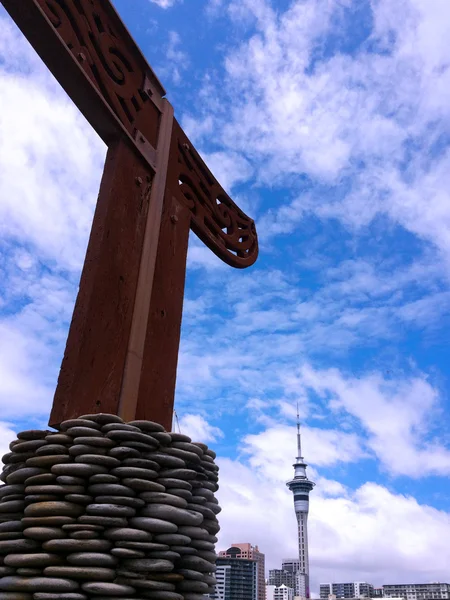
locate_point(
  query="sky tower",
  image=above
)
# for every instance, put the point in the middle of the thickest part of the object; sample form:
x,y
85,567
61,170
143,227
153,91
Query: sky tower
x,y
300,486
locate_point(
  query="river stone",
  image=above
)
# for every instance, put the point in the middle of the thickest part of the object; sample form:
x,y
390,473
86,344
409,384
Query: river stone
x,y
90,573
23,545
47,509
198,587
99,442
29,446
186,494
33,434
127,533
170,462
179,437
44,533
8,490
69,480
211,526
48,461
206,512
205,493
169,482
84,535
103,478
191,574
85,432
153,525
148,584
146,565
43,479
215,508
133,502
22,474
104,521
15,596
172,538
79,498
108,589
196,563
127,553
46,521
59,438
12,506
92,559
12,458
102,418
98,459
179,516
113,489
209,485
147,546
143,485
119,427
131,472
78,527
110,510
7,571
164,554
149,426
202,545
163,498
184,474
189,457
52,449
209,579
78,469
122,452
163,438
53,489
37,584
11,526
184,550
11,535
133,436
70,545
210,556
35,560
66,596
141,463
80,449
65,425
187,447
195,533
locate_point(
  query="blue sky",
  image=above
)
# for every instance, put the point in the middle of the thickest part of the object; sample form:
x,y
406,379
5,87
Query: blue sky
x,y
328,122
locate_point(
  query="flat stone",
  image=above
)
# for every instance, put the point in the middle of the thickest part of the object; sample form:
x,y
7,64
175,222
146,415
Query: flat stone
x,y
165,460
102,418
172,539
179,437
69,480
202,545
70,423
189,457
66,596
148,584
148,426
210,556
146,546
90,573
141,463
11,526
184,550
163,498
185,494
198,587
195,533
15,596
128,533
7,571
12,506
119,427
153,525
84,535
55,449
37,584
22,474
122,452
86,432
110,489
133,436
79,498
164,554
123,573
211,526
71,545
99,442
206,512
188,447
98,459
94,559
205,493
27,572
104,521
140,446
29,446
80,449
170,482
59,438
209,485
110,510
44,533
43,479
179,516
143,485
30,498
145,565
8,490
215,508
78,469
133,502
162,437
11,535
39,559
209,579
196,564
127,553
191,574
12,497
47,461
57,521
184,474
103,478
53,489
23,545
47,509
78,527
32,434
125,472
108,589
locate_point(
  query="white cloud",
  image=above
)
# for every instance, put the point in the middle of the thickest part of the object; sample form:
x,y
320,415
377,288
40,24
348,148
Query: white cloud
x,y
164,3
198,429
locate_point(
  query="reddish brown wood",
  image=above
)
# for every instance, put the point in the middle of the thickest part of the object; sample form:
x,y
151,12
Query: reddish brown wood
x,y
91,373
157,384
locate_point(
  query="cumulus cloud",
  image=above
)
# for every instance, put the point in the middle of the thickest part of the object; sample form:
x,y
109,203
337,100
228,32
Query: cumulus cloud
x,y
198,428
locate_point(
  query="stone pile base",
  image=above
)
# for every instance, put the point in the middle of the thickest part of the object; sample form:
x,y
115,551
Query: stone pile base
x,y
107,509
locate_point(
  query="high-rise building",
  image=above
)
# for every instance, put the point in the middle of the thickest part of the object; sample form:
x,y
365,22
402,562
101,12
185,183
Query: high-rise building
x,y
281,592
278,577
247,551
300,486
236,579
355,589
417,591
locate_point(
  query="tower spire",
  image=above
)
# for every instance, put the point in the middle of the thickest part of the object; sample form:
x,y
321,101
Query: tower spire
x,y
299,440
